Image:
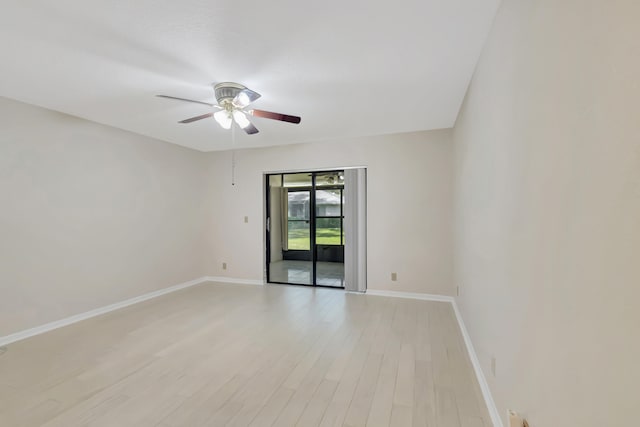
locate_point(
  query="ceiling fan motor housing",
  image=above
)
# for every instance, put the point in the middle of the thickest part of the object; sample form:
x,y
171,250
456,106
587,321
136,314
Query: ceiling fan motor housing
x,y
226,91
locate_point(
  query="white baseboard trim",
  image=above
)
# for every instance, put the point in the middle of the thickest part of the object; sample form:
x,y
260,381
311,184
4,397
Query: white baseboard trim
x,y
221,279
410,295
18,336
484,386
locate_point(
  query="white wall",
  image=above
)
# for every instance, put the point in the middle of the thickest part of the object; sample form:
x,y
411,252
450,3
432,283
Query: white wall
x,y
91,215
409,206
547,206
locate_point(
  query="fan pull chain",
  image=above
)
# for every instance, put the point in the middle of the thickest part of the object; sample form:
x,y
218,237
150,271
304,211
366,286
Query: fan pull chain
x,y
233,154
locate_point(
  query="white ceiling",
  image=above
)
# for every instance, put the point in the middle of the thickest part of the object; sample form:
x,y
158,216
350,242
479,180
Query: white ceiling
x,y
349,68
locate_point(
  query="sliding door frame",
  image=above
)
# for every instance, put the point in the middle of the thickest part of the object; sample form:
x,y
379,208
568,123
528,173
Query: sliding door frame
x,y
312,221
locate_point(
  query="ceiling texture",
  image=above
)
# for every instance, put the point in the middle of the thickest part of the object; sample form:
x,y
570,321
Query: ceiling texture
x,y
348,68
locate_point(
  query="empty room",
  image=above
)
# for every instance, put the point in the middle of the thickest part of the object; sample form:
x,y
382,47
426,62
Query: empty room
x,y
415,213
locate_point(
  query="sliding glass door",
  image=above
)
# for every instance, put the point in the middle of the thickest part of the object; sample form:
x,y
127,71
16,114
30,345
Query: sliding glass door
x,y
305,228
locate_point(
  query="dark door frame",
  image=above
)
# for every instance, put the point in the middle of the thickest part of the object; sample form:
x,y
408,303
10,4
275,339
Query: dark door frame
x,y
312,222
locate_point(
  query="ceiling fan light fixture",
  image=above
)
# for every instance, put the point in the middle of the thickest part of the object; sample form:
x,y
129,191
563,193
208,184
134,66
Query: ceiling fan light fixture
x,y
232,101
243,99
241,119
223,118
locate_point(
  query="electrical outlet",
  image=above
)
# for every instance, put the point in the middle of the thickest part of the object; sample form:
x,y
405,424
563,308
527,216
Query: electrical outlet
x,y
493,366
224,265
394,277
246,219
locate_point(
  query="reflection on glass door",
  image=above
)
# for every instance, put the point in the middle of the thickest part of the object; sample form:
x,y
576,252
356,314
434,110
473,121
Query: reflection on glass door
x,y
290,209
329,228
306,228
298,220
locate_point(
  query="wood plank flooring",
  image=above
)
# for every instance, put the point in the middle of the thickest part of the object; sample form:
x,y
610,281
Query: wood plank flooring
x,y
236,355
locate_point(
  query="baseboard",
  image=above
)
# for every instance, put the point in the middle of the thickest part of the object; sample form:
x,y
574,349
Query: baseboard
x,y
484,386
221,279
18,336
410,295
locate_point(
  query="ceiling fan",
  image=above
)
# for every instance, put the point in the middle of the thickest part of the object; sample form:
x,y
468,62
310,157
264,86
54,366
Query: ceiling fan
x,y
233,99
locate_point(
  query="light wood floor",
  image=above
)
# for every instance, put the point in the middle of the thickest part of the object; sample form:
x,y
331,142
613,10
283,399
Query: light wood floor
x,y
279,355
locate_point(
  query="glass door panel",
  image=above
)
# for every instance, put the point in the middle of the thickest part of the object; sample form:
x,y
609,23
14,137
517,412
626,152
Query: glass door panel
x,y
298,218
294,261
329,229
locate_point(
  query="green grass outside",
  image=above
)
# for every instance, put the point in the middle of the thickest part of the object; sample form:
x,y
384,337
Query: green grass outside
x,y
299,238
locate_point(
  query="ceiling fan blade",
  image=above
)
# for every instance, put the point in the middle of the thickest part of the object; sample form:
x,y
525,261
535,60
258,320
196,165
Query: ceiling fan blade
x,y
245,97
184,99
250,129
196,118
275,116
